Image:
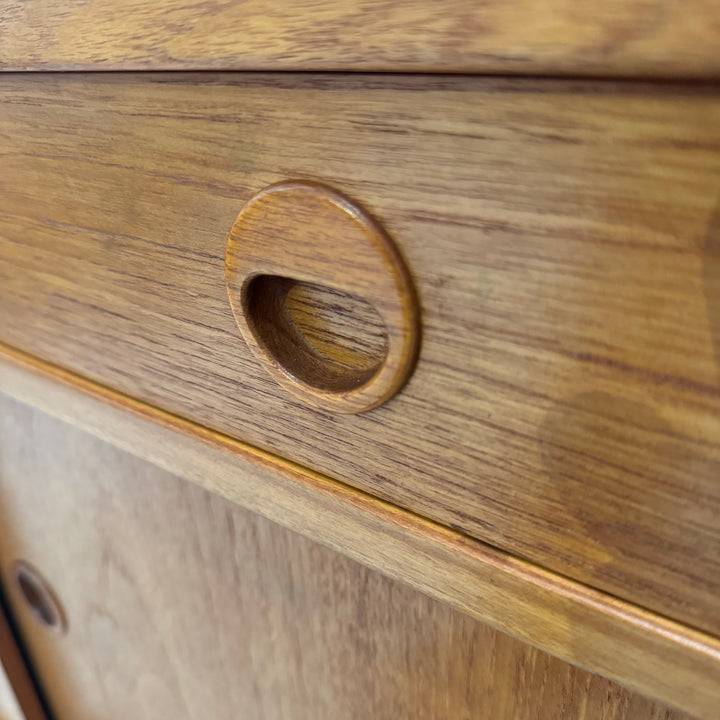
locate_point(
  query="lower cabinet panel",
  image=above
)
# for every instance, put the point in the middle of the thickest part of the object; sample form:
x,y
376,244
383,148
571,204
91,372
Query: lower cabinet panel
x,y
180,605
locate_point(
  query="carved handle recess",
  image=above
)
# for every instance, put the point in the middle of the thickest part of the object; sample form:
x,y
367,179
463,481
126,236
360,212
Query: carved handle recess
x,y
297,234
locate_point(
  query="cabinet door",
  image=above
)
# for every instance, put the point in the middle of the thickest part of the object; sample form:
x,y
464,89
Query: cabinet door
x,y
178,604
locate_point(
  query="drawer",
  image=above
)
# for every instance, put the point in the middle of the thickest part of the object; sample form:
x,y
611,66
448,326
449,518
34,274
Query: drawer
x,y
620,37
179,604
563,239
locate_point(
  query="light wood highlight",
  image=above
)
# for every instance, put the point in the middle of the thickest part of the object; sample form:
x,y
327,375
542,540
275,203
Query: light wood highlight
x,y
650,654
185,606
562,237
614,37
305,234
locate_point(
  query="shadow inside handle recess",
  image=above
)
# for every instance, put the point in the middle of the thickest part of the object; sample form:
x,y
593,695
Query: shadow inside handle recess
x,y
323,337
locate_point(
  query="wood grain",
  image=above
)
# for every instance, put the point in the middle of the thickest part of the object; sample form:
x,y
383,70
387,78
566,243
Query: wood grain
x,y
645,652
566,404
305,234
615,37
340,327
182,605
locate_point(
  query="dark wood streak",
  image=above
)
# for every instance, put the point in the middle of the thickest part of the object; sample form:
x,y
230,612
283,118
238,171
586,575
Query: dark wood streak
x,y
15,670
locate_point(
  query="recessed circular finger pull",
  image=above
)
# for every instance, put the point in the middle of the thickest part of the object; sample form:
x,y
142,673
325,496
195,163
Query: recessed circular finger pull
x,y
322,296
39,597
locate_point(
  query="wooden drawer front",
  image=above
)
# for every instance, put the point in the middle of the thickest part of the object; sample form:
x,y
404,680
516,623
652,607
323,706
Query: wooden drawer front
x,y
564,241
181,605
627,37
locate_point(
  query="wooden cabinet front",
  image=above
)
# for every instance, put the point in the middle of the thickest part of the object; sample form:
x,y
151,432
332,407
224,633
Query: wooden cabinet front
x,y
181,605
563,239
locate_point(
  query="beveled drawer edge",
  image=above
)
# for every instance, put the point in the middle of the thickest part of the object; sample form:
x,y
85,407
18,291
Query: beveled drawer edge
x,y
644,651
521,37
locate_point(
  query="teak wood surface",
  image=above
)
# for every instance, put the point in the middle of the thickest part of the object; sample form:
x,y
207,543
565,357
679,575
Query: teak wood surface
x,y
643,651
182,605
614,37
563,237
305,234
